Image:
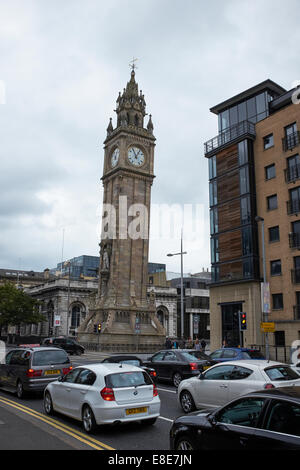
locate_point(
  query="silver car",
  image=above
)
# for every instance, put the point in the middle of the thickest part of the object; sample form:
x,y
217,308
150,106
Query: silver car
x,y
227,381
32,369
104,394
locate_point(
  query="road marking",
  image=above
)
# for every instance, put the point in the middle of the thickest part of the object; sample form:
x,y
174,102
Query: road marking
x,y
62,427
166,390
166,419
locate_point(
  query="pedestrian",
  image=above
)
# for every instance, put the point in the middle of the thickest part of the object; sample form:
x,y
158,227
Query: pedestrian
x,y
197,345
203,345
168,343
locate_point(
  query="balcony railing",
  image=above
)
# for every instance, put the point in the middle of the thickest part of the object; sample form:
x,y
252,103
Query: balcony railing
x,y
294,240
292,173
295,275
296,312
291,141
293,206
229,135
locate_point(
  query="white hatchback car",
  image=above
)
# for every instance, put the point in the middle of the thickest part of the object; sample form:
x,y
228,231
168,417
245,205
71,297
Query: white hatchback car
x,y
224,382
104,394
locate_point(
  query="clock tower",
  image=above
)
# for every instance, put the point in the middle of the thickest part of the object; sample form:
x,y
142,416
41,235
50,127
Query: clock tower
x,y
127,314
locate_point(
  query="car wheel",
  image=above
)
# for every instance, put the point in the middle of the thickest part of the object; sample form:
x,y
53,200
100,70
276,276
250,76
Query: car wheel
x,y
177,378
187,402
185,443
48,405
88,419
20,389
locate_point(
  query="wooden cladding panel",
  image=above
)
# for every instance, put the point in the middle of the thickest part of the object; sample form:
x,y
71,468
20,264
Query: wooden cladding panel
x,y
227,160
228,187
230,245
229,215
231,271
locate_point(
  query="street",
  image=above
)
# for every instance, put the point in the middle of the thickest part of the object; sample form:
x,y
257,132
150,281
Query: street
x,y
24,424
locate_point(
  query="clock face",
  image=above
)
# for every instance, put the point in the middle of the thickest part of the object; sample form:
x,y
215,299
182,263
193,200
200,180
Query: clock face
x,y
136,156
115,157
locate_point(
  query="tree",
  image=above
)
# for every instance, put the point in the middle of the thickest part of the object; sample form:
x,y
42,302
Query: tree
x,y
17,307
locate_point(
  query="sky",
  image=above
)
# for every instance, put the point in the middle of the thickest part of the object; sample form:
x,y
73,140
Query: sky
x,y
62,65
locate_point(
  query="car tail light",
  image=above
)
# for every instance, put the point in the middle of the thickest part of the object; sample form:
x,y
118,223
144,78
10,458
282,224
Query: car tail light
x,y
66,370
155,391
107,394
153,373
268,386
33,373
193,366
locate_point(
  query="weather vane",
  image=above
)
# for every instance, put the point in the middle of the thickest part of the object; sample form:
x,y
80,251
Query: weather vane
x,y
132,64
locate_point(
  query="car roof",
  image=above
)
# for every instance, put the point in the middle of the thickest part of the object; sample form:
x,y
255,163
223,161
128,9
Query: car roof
x,y
259,363
110,368
38,348
280,392
122,356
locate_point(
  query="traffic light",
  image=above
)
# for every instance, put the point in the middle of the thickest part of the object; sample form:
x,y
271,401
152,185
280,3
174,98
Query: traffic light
x,y
243,321
99,327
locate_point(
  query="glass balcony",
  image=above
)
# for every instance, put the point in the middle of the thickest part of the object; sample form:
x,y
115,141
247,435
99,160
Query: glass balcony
x,y
242,129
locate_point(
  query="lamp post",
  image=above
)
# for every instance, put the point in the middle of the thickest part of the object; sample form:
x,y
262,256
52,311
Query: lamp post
x,y
181,253
265,313
68,263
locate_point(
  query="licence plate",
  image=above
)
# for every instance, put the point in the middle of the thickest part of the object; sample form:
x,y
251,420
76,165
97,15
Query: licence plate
x,y
52,372
133,411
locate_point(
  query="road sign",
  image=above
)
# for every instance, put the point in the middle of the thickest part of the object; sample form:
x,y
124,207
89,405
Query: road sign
x,y
267,327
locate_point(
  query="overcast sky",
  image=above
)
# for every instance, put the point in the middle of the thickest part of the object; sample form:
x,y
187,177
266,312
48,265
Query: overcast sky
x,y
63,64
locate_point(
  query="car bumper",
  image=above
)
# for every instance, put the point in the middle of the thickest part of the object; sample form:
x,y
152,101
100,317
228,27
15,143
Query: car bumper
x,y
112,413
37,385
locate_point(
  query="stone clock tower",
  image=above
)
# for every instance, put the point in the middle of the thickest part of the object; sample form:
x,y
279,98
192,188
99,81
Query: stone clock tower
x,y
127,315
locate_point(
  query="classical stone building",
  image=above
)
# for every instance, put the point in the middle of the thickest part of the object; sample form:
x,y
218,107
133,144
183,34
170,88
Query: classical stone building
x,y
126,313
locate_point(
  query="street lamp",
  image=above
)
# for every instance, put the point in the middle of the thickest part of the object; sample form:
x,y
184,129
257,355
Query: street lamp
x,y
181,253
265,314
68,263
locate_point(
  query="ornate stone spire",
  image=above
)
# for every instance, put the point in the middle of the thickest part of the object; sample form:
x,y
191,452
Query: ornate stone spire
x,y
131,105
110,127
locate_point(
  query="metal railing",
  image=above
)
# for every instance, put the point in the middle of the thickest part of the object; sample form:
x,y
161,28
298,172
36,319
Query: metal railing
x,y
291,141
294,240
295,275
293,206
292,173
296,312
230,134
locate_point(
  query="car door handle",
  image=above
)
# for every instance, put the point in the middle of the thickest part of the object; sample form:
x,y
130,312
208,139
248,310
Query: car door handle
x,y
68,389
223,386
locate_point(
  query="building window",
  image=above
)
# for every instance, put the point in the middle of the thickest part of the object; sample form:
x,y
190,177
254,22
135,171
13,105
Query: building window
x,y
214,227
270,171
293,168
291,137
212,166
247,241
268,141
272,202
274,234
244,180
243,152
213,193
245,210
276,267
277,301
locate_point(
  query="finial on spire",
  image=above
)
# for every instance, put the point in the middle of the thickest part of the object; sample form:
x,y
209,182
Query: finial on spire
x,y
132,64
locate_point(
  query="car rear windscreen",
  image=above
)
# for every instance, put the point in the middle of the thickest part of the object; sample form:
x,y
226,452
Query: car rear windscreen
x,y
44,358
281,373
127,379
254,354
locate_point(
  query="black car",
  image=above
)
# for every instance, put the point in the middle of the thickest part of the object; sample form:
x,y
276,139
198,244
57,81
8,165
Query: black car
x,y
177,364
133,361
68,344
264,420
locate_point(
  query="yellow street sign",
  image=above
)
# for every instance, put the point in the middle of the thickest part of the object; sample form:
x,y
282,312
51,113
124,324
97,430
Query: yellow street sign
x,y
267,327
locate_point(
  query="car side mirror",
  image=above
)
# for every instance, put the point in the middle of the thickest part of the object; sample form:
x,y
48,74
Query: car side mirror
x,y
149,359
61,378
212,419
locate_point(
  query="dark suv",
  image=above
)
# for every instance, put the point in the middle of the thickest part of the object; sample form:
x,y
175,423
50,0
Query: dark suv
x,y
31,369
68,344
